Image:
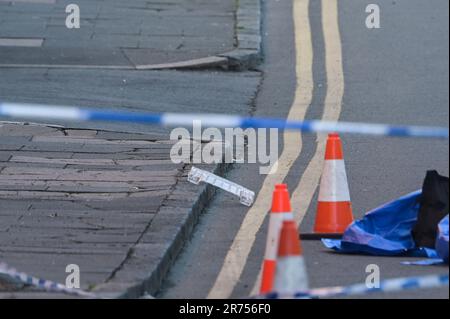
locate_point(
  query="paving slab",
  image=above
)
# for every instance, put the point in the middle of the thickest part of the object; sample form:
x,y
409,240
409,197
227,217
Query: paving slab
x,y
115,32
137,34
121,221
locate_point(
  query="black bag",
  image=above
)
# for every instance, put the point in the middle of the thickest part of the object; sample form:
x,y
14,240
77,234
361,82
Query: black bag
x,y
434,206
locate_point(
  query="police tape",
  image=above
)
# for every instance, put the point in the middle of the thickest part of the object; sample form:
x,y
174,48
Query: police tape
x,y
42,284
36,111
387,286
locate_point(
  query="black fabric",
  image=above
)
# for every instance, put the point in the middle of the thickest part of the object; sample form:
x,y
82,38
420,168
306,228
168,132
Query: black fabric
x,y
434,207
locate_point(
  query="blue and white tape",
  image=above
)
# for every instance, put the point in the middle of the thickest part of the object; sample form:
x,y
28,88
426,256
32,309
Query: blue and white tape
x,y
387,286
42,284
35,111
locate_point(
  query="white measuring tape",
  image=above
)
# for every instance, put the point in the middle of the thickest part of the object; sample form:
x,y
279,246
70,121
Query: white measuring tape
x,y
246,196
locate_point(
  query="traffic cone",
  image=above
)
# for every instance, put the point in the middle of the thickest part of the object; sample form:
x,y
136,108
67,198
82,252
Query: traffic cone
x,y
281,210
334,210
291,274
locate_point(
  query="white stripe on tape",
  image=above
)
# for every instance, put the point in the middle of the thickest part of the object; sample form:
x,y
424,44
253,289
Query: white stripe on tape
x,y
334,184
345,127
39,111
220,121
46,285
389,285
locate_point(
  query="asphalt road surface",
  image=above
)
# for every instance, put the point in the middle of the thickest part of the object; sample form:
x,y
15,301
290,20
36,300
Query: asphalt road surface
x,y
160,91
321,61
397,74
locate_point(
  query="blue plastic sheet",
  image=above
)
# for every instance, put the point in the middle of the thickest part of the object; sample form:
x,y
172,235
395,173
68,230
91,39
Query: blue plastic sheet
x,y
442,240
385,231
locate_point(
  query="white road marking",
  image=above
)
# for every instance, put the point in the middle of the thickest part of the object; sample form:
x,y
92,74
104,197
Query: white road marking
x,y
236,258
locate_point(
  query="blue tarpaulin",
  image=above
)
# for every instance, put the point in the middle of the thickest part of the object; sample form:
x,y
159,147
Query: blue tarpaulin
x,y
442,240
385,231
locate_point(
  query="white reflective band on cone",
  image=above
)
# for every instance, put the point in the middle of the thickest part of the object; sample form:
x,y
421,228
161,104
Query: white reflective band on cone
x,y
291,275
334,184
273,237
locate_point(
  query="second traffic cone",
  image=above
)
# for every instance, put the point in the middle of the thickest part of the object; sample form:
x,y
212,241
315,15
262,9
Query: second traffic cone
x,y
291,273
334,210
281,210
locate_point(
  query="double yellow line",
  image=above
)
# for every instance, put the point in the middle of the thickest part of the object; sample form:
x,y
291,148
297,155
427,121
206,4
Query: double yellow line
x,y
240,249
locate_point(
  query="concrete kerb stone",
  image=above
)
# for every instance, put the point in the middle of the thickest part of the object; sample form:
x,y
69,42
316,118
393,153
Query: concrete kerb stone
x,y
151,259
202,63
248,53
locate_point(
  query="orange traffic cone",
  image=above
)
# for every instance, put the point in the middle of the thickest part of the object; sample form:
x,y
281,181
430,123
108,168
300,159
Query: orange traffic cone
x,y
291,274
281,210
334,211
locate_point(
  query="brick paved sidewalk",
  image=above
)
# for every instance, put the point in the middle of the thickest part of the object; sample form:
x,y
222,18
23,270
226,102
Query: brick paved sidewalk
x,y
112,203
115,32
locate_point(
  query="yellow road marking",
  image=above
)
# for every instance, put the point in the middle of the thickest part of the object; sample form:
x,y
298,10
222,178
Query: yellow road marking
x,y
303,194
239,251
